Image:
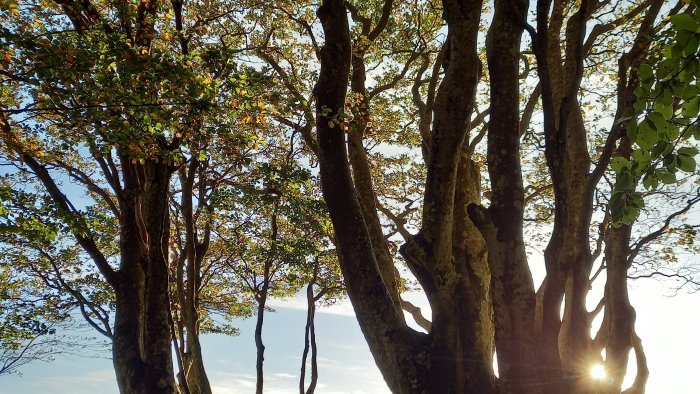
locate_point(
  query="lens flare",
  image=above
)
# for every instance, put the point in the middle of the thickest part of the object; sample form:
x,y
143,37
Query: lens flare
x,y
598,372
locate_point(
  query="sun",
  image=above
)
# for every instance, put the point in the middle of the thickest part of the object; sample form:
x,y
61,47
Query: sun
x,y
598,372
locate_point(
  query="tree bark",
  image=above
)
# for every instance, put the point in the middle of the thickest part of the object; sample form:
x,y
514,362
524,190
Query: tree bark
x,y
189,282
142,339
501,224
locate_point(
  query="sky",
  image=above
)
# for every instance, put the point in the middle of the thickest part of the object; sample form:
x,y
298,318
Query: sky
x,y
668,326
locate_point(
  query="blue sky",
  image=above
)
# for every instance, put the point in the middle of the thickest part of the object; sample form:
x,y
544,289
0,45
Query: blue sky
x,y
667,325
345,363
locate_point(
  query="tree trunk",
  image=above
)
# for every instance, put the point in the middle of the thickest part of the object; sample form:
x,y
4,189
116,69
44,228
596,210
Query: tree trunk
x,y
142,352
196,376
410,362
259,346
501,224
309,343
188,289
619,319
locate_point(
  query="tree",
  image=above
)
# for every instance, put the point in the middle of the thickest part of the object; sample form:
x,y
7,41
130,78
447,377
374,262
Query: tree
x,y
124,122
273,230
30,322
325,276
536,350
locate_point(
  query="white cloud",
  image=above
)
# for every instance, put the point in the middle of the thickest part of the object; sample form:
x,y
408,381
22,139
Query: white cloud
x,y
284,375
298,302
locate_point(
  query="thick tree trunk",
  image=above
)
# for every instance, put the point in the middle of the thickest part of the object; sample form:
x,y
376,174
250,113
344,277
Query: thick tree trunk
x,y
135,374
390,340
620,316
142,352
442,362
141,346
619,319
512,288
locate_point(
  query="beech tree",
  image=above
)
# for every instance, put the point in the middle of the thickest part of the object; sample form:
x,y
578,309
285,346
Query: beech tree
x,y
124,123
471,260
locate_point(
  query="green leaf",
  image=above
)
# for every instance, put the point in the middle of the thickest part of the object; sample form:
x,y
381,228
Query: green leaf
x,y
666,109
641,156
684,22
646,137
637,200
650,181
657,121
691,108
692,46
665,67
660,149
688,151
618,163
686,163
645,72
667,177
625,181
670,160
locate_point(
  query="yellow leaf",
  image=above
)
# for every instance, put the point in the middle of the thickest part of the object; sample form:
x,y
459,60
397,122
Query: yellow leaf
x,y
331,124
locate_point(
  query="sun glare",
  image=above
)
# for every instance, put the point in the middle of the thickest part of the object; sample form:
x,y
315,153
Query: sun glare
x,y
598,372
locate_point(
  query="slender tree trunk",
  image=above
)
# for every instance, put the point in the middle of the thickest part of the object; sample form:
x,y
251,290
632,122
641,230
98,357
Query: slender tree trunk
x,y
188,291
362,177
620,316
197,379
259,346
309,343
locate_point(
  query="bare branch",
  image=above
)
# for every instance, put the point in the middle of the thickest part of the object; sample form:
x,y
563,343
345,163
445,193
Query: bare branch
x,y
637,246
417,315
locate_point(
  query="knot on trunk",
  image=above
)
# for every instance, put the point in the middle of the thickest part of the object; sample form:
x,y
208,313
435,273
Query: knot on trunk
x,y
482,220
